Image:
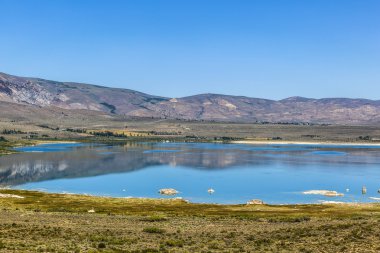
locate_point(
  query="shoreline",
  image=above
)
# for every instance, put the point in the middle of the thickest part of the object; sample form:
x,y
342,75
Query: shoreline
x,y
16,192
40,142
10,193
8,147
241,141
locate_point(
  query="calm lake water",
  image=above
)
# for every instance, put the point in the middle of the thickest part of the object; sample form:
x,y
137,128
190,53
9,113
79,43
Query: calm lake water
x,y
276,174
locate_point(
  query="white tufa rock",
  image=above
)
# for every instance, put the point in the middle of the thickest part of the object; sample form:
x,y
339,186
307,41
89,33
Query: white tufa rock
x,y
168,191
364,190
210,191
255,202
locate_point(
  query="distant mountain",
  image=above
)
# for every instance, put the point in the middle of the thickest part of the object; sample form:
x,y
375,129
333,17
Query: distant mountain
x,y
78,96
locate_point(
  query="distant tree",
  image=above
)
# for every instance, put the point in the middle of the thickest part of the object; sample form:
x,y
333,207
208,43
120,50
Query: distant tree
x,y
365,138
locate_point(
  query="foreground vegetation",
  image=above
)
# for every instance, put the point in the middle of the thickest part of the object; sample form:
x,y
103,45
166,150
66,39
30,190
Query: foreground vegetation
x,y
41,222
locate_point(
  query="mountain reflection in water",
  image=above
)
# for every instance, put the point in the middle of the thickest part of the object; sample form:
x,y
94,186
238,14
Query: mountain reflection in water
x,y
68,161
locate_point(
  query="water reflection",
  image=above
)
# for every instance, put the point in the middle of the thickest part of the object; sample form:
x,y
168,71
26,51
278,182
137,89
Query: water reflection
x,y
274,172
46,162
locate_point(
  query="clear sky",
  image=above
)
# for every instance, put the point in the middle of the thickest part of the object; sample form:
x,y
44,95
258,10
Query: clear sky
x,y
259,48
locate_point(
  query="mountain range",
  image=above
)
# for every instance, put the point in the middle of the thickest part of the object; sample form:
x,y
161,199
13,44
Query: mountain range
x,y
34,93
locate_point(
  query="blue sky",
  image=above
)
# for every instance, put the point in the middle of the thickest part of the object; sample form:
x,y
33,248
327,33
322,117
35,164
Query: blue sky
x,y
259,48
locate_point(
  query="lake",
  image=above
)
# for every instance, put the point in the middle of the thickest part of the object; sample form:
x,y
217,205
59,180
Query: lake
x,y
276,174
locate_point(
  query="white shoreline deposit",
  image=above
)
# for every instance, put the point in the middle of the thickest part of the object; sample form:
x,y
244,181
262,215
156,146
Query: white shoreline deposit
x,y
324,193
10,196
269,142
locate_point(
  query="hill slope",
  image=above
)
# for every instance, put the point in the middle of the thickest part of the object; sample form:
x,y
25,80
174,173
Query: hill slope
x,y
78,96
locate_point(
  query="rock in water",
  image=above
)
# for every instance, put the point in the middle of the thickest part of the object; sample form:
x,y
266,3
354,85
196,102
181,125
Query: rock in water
x,y
333,194
255,202
210,191
168,191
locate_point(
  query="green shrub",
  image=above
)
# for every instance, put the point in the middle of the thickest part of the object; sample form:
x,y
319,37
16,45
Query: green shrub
x,y
101,245
154,230
289,219
154,218
174,243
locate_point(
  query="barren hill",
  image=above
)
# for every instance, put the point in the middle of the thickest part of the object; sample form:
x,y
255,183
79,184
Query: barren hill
x,y
44,94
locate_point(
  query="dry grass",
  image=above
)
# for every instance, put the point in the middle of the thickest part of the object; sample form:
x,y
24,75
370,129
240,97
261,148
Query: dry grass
x,y
61,223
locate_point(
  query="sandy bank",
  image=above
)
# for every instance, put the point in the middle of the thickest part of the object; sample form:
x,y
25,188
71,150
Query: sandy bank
x,y
54,142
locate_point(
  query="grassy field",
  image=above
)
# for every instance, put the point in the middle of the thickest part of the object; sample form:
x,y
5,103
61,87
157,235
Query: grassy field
x,y
41,222
190,130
